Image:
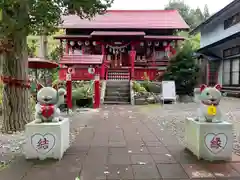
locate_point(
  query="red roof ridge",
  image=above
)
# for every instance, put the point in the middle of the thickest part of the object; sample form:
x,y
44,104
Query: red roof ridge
x,y
141,10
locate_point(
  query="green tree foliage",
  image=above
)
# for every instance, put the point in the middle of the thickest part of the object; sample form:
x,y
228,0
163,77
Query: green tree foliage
x,y
55,55
19,19
32,47
183,69
193,17
206,13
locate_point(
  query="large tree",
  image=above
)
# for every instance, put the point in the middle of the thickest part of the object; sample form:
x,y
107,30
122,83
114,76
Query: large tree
x,y
193,17
19,19
206,13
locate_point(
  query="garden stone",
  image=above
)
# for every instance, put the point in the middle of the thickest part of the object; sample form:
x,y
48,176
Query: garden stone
x,y
151,99
141,101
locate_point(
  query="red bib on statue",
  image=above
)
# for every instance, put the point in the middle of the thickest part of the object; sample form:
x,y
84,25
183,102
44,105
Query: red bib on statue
x,y
47,110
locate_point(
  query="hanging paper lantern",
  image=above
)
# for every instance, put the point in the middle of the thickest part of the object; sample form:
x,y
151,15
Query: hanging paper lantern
x,y
164,43
72,43
149,43
157,43
94,43
87,43
79,43
142,44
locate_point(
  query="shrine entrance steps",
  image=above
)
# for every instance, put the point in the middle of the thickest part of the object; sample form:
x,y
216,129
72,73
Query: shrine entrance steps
x,y
117,92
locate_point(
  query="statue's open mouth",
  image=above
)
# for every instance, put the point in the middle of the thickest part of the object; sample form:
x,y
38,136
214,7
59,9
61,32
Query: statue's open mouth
x,y
47,99
210,102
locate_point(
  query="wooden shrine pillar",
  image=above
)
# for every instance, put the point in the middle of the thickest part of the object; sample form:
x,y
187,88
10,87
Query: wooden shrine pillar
x,y
67,47
102,74
132,59
154,57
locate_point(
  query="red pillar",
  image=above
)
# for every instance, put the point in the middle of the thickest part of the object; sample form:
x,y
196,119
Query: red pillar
x,y
96,103
103,64
132,58
69,90
154,57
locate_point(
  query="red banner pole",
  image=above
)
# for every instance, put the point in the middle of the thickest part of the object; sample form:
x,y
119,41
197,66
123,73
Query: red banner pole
x,y
69,90
96,92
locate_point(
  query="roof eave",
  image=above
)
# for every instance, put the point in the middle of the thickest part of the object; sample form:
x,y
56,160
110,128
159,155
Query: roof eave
x,y
109,28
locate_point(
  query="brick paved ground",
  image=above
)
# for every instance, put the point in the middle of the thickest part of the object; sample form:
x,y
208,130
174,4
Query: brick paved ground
x,y
126,142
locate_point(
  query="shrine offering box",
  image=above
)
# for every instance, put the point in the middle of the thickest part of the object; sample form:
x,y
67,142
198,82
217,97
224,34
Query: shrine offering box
x,y
209,141
46,140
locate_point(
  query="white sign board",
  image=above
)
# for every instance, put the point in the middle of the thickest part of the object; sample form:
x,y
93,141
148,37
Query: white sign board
x,y
168,90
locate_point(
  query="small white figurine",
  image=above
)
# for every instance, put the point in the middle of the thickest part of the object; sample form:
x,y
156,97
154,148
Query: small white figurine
x,y
209,110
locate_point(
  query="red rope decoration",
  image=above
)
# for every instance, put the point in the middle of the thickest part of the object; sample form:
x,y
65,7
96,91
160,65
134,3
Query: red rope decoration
x,y
15,82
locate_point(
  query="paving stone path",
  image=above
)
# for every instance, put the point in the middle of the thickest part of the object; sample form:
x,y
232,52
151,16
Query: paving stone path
x,y
125,143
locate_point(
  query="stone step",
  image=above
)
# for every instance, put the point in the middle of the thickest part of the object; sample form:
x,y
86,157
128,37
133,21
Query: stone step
x,y
115,86
118,93
116,102
117,98
110,92
123,89
118,83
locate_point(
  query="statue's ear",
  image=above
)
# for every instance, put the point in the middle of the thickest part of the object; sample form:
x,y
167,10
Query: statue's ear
x,y
39,86
55,86
218,87
202,87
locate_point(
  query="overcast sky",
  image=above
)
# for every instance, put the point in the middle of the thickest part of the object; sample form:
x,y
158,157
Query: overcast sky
x,y
214,5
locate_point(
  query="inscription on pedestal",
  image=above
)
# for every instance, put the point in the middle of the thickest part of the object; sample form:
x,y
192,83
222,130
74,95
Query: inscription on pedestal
x,y
43,143
215,143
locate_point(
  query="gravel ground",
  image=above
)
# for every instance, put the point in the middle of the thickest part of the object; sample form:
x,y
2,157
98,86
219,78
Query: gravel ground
x,y
172,116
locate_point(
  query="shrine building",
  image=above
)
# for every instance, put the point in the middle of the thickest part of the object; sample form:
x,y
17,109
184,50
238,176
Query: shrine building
x,y
120,44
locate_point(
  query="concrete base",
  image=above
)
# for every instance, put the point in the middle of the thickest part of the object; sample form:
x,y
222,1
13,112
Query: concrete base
x,y
46,140
209,141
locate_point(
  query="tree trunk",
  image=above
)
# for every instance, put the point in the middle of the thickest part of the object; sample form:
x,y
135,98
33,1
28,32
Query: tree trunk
x,y
44,54
16,111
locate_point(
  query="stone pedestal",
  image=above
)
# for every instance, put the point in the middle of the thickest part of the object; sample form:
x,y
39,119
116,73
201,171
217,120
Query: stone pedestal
x,y
46,140
209,141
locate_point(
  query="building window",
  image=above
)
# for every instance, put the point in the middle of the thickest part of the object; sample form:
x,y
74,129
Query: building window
x,y
233,51
232,21
231,72
226,72
235,72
